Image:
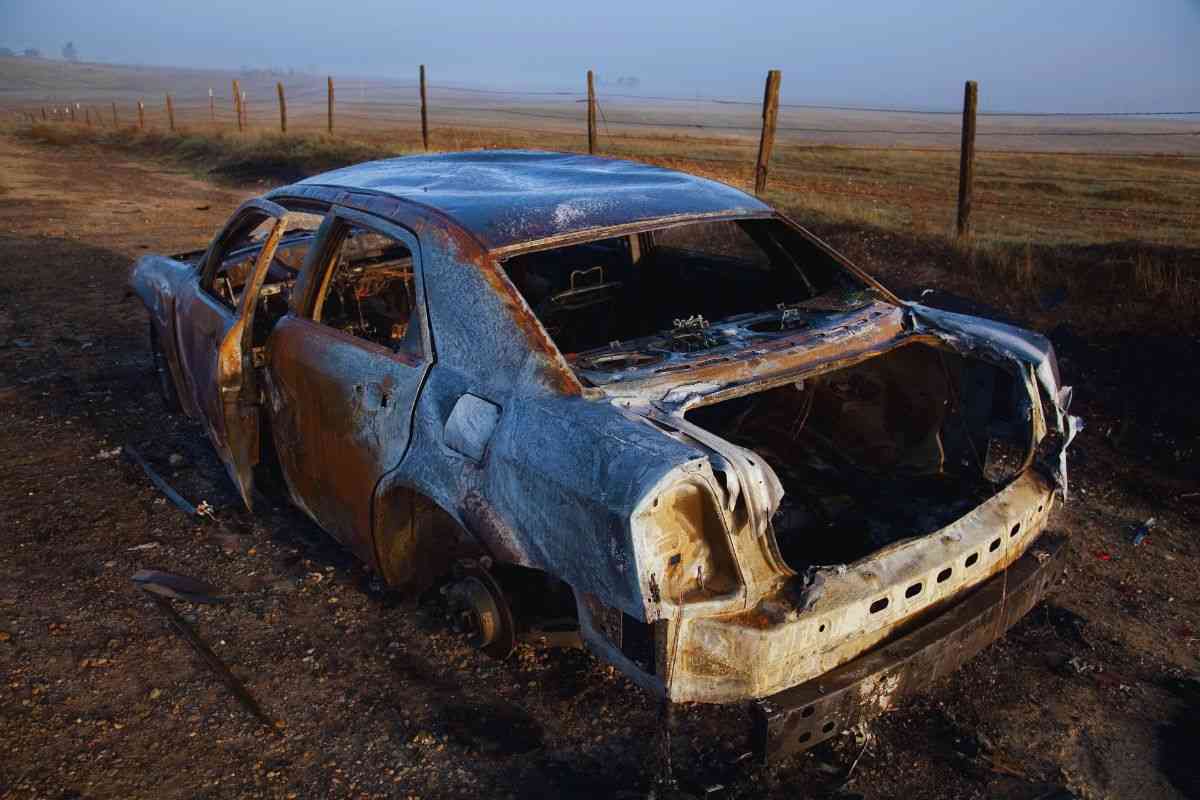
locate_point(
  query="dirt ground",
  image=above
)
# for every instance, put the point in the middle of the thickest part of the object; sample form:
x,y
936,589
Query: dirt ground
x,y
1094,694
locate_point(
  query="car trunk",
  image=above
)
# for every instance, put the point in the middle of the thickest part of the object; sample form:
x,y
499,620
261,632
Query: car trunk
x,y
893,447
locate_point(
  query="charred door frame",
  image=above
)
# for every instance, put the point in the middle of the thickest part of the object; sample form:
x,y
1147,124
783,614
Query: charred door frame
x,y
350,395
221,375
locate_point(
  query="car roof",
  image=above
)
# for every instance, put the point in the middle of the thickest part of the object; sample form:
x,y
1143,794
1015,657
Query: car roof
x,y
510,197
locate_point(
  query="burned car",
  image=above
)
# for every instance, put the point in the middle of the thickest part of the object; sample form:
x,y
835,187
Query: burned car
x,y
639,399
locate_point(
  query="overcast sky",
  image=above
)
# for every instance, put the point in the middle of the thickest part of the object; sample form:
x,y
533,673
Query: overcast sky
x,y
1111,55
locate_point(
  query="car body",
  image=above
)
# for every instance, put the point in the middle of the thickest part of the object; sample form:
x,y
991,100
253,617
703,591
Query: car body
x,y
749,464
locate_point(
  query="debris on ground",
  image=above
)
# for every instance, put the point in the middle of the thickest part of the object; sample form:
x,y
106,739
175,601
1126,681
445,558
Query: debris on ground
x,y
1142,531
158,586
178,587
162,485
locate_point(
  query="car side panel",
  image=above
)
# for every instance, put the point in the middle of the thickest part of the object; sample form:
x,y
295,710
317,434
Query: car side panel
x,y
560,475
340,411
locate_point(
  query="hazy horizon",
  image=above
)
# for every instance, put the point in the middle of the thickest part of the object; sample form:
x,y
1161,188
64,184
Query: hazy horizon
x,y
1098,56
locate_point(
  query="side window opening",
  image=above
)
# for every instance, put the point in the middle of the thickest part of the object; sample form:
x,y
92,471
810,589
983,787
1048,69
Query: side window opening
x,y
241,253
369,291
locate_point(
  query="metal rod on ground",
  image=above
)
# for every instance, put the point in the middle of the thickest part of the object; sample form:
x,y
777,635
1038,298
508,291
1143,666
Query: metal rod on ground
x,y
237,103
170,113
162,485
282,108
141,116
769,116
210,658
114,106
424,112
329,83
966,164
591,111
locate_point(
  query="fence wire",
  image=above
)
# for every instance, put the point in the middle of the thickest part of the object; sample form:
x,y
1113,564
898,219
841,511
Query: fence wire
x,y
1030,164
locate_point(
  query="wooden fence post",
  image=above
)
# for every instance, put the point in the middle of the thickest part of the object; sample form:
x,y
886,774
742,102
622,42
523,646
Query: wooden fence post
x,y
73,109
770,114
330,86
114,105
245,110
966,164
591,112
44,114
170,113
424,112
141,116
212,107
237,103
87,116
282,108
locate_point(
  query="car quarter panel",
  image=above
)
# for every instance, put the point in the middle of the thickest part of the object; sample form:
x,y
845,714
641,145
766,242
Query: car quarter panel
x,y
158,281
560,474
556,488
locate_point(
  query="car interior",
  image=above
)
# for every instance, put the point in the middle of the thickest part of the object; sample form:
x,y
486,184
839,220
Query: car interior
x,y
370,293
590,295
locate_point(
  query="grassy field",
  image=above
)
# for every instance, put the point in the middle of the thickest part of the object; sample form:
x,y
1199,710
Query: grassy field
x,y
1099,217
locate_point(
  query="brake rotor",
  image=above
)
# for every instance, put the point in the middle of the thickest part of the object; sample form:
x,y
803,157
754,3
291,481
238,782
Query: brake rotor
x,y
481,611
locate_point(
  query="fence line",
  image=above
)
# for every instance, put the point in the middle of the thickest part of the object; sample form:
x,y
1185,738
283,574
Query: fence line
x,y
599,116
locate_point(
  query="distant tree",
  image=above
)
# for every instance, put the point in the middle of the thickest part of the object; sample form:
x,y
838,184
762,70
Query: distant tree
x,y
69,52
6,51
31,52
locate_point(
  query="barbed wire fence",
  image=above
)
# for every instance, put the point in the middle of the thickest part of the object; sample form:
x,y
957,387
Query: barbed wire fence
x,y
766,142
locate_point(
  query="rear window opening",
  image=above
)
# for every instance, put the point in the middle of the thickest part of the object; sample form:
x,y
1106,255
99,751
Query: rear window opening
x,y
634,301
894,447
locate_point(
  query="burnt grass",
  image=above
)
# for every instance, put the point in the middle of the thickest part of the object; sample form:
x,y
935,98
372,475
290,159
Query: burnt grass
x,y
1093,694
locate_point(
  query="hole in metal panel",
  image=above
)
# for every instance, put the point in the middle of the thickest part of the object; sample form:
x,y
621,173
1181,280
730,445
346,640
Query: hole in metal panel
x,y
1015,529
804,737
944,575
827,727
994,546
913,590
821,628
971,560
879,605
808,711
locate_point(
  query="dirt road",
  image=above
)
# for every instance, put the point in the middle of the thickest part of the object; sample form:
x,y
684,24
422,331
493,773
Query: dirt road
x,y
1092,695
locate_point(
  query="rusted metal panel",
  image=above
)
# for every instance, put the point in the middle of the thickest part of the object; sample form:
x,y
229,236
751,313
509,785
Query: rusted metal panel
x,y
803,716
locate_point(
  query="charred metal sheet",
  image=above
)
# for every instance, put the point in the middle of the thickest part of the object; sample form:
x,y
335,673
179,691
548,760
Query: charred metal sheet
x,y
507,197
798,718
973,334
